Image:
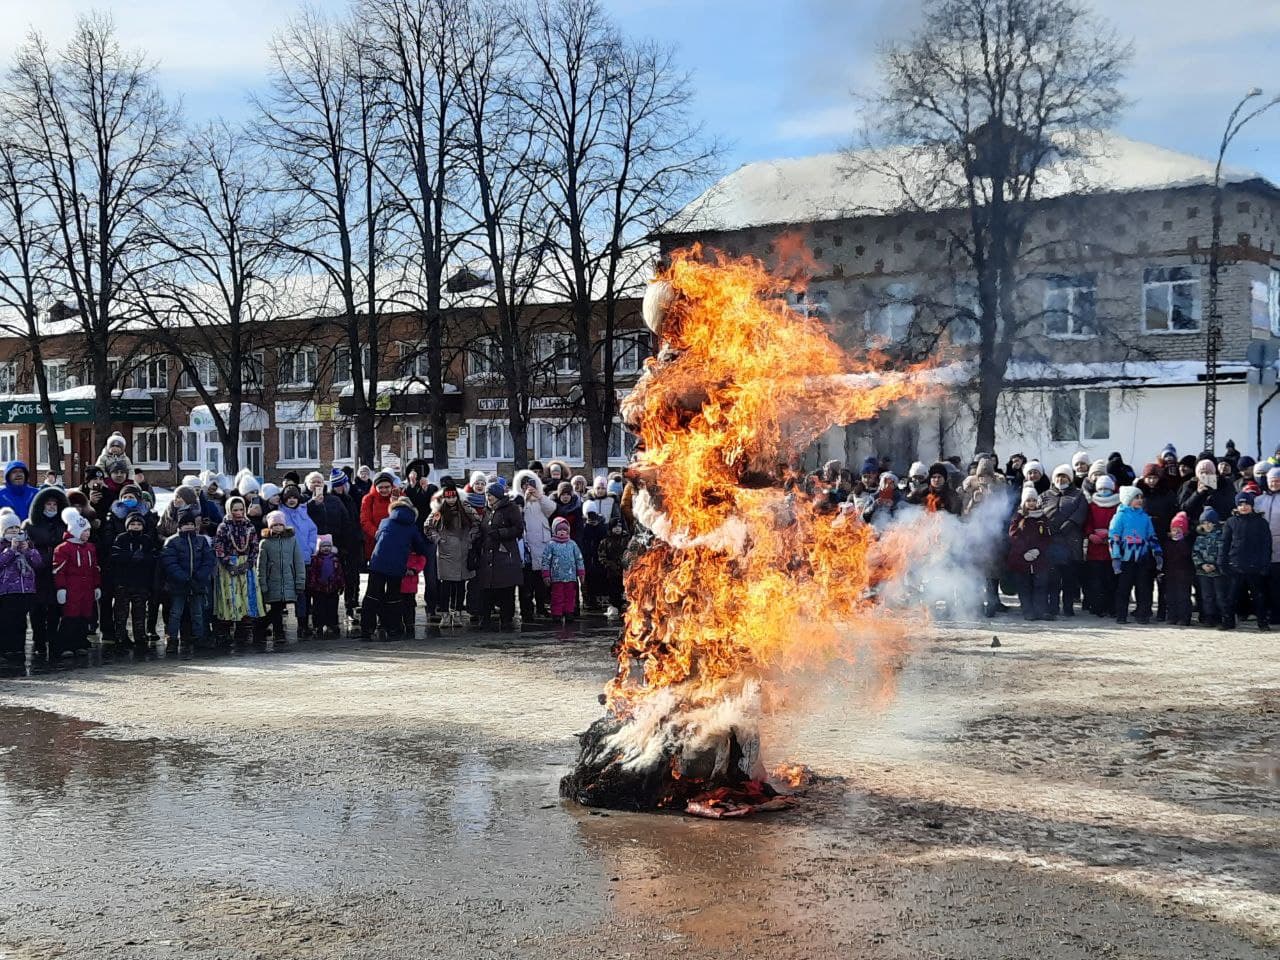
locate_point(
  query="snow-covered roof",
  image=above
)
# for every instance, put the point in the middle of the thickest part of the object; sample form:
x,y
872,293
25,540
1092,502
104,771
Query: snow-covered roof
x,y
1030,374
836,186
391,388
78,393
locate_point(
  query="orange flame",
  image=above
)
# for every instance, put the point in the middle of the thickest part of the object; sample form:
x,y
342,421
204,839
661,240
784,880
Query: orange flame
x,y
745,577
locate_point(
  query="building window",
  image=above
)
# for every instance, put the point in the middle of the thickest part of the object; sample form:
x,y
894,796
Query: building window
x,y
56,374
206,369
414,361
482,358
556,353
151,447
557,441
253,370
344,445
622,444
963,325
1170,300
891,320
8,377
8,446
152,373
812,303
342,363
629,353
1081,415
189,443
300,445
298,368
491,440
1070,307
1273,300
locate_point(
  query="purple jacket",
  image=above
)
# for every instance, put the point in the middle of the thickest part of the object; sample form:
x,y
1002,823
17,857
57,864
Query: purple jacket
x,y
18,571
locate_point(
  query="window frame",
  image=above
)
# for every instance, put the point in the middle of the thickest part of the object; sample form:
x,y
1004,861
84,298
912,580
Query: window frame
x,y
9,372
348,430
64,365
634,342
340,351
891,301
1081,396
1073,285
1198,302
508,443
559,425
210,368
12,437
141,375
488,370
300,427
628,439
559,361
150,463
309,357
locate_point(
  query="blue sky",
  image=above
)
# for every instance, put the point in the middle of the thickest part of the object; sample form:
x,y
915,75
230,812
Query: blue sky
x,y
773,79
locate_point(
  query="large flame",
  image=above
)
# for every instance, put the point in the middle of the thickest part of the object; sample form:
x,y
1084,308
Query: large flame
x,y
745,578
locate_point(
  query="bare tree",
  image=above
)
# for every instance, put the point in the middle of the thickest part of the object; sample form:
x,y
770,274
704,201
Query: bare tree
x,y
222,224
985,97
26,235
622,156
322,122
104,149
412,50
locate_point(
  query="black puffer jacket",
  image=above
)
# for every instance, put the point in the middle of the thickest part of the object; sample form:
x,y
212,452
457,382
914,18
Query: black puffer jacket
x,y
45,533
1246,544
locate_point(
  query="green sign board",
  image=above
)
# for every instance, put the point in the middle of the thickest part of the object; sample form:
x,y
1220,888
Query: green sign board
x,y
77,411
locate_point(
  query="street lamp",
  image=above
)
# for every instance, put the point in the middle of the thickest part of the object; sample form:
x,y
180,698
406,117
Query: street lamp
x,y
1213,332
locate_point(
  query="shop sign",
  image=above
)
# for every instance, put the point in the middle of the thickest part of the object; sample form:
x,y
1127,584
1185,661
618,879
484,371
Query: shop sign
x,y
326,412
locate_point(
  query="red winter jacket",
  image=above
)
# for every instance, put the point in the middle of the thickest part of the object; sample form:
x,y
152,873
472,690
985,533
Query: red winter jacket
x,y
374,508
75,570
1096,533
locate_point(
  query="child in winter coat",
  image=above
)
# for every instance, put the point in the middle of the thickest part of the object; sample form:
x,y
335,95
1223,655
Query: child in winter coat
x,y
1246,561
282,575
1136,556
1028,559
78,581
326,579
414,567
562,569
397,536
188,563
1099,579
305,532
19,563
133,571
1179,572
1206,554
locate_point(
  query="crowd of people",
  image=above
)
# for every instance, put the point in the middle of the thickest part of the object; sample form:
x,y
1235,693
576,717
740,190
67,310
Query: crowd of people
x,y
1096,533
226,560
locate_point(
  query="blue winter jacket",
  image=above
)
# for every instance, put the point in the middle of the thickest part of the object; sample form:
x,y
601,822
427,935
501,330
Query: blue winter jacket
x,y
18,499
304,528
398,535
1132,535
562,561
188,563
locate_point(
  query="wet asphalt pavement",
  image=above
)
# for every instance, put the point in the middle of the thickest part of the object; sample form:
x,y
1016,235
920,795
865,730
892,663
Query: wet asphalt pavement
x,y
1080,792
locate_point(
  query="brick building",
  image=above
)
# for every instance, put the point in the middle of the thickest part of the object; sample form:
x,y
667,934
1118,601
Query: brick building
x,y
1116,277
297,414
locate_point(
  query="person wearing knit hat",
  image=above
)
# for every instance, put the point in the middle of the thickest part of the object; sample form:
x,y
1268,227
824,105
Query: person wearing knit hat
x,y
1079,466
501,567
399,535
78,581
325,582
1098,579
1066,511
132,571
246,483
1160,501
20,567
1206,556
1246,466
337,478
376,507
116,448
1033,473
350,543
188,564
563,570
1206,489
1246,564
1136,555
1179,572
1028,555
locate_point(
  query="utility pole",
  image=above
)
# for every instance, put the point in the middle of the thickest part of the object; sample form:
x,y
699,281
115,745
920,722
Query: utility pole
x,y
1213,330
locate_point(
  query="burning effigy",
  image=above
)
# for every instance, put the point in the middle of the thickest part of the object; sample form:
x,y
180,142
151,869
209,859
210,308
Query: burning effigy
x,y
738,579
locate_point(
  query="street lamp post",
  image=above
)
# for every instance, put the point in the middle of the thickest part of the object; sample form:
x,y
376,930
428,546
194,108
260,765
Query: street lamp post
x,y
1213,332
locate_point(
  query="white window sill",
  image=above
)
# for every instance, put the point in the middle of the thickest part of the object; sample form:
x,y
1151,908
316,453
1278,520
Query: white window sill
x,y
190,465
297,464
1070,336
343,462
152,465
1173,333
295,387
477,378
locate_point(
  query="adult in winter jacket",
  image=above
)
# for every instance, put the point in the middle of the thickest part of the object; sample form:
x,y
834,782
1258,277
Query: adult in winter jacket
x,y
538,509
500,570
17,492
1136,555
453,526
361,484
1028,557
1035,475
608,508
188,563
1246,562
133,577
350,544
44,528
376,507
78,582
396,537
1268,506
557,473
128,502
20,565
1079,468
326,510
1099,578
1203,490
282,574
1065,511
